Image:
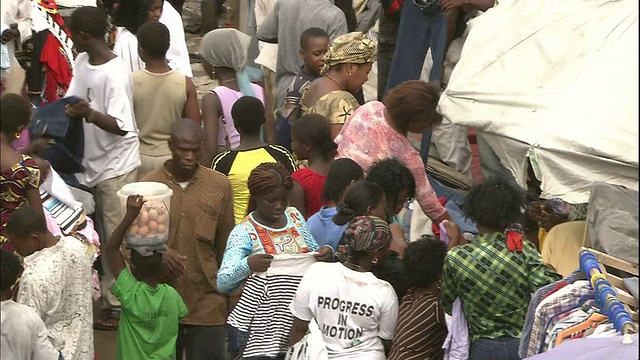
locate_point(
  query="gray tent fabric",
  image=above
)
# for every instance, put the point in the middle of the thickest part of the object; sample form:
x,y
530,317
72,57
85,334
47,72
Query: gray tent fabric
x,y
612,221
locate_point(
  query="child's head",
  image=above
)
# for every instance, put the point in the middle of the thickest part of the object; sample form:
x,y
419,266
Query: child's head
x,y
423,261
269,186
20,114
132,14
9,274
153,41
342,173
397,181
495,204
314,43
248,115
361,199
27,230
146,267
87,25
312,134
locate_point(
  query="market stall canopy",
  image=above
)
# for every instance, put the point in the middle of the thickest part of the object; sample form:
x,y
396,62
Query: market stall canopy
x,y
554,83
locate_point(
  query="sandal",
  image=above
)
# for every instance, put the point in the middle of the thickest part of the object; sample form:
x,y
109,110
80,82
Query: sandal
x,y
109,323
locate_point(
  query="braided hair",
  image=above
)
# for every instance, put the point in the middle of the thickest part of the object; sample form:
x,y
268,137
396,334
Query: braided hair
x,y
266,178
315,130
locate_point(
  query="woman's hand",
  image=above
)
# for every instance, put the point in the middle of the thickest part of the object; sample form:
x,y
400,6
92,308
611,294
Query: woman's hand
x,y
325,253
173,261
259,262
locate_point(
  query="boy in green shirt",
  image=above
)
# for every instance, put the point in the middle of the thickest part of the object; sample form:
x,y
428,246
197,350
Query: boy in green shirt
x,y
151,311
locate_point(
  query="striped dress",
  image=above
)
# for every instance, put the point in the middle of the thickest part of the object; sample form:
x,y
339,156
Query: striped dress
x,y
263,309
421,329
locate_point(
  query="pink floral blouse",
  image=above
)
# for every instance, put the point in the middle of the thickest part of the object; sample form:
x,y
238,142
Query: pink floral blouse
x,y
367,138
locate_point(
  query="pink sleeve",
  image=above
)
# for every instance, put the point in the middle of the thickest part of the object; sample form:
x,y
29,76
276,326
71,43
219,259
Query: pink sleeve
x,y
425,195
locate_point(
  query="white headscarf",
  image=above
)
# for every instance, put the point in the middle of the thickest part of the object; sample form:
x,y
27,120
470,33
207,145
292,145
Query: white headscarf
x,y
228,48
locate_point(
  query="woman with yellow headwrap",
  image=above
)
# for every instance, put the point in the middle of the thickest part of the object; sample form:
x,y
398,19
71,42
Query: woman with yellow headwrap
x,y
347,65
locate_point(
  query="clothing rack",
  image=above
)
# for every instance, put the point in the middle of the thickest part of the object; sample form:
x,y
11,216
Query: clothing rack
x,y
605,295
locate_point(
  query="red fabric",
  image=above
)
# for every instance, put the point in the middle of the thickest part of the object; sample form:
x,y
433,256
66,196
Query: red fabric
x,y
395,6
58,71
514,241
312,183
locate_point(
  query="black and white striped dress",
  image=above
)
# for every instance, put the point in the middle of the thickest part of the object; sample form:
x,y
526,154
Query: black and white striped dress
x,y
263,309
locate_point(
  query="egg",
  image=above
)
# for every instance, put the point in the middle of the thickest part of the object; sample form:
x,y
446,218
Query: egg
x,y
133,229
162,229
143,231
162,219
153,214
143,219
153,225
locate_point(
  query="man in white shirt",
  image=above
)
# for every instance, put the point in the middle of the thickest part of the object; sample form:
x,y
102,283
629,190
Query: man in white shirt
x,y
56,282
16,25
111,146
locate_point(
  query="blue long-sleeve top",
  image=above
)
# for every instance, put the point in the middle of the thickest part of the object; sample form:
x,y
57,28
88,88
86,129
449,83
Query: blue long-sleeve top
x,y
250,237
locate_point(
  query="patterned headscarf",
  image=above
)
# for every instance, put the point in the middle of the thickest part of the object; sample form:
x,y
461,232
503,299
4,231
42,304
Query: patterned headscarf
x,y
364,234
351,48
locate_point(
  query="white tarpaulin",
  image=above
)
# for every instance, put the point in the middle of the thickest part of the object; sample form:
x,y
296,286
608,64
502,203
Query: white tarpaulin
x,y
556,82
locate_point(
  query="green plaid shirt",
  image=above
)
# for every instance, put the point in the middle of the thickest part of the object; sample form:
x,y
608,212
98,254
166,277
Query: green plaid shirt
x,y
494,284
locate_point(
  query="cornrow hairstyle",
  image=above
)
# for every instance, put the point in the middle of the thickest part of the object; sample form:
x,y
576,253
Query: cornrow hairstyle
x,y
359,197
315,130
266,178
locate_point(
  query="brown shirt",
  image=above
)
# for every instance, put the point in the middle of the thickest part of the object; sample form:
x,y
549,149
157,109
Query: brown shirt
x,y
421,328
201,220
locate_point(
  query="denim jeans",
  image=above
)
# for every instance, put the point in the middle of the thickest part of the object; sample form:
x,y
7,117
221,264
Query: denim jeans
x,y
418,33
445,191
504,348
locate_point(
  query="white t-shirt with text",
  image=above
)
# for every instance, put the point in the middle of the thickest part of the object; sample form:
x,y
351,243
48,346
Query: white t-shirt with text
x,y
354,310
108,90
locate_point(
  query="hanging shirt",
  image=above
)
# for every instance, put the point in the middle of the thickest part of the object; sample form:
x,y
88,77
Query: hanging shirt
x,y
263,309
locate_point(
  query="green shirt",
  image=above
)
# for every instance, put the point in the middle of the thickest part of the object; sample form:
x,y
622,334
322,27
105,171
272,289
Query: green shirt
x,y
494,284
148,327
